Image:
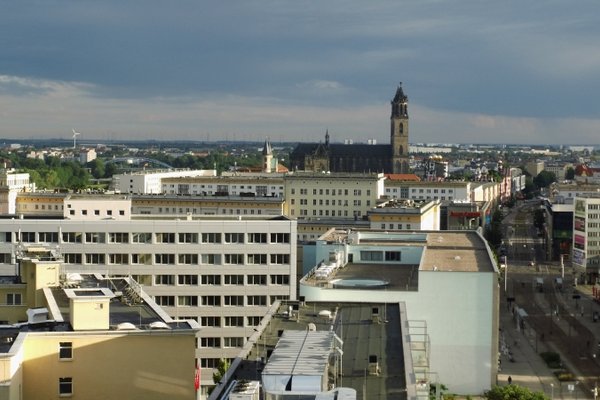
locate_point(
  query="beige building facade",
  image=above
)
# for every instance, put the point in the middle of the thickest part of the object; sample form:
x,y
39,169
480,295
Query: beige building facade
x,y
84,336
335,195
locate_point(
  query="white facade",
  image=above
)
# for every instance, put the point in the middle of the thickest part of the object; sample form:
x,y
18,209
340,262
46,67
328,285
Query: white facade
x,y
586,236
151,182
222,272
93,208
489,191
238,184
444,190
454,292
87,155
11,184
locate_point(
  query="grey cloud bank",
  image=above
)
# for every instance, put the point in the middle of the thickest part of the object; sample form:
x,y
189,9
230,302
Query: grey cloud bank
x,y
501,72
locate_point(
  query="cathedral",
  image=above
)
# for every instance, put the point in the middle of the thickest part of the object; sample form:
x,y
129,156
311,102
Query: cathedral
x,y
387,158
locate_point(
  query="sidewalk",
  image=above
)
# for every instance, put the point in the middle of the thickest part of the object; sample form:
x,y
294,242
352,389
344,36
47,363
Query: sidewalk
x,y
527,368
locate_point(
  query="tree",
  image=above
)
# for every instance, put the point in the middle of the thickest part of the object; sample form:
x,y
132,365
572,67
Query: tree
x,y
97,168
513,392
570,174
222,368
544,179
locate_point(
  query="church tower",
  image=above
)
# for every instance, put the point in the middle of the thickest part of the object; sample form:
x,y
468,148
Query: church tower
x,y
267,157
399,132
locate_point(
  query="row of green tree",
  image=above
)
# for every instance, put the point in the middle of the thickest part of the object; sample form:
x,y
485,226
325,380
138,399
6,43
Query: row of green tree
x,y
51,173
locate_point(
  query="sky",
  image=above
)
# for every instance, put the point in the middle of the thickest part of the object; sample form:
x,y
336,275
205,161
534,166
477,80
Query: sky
x,y
525,72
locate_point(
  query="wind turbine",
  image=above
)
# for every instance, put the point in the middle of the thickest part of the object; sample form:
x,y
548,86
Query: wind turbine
x,y
75,134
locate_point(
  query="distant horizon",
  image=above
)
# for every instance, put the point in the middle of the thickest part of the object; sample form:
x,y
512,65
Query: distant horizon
x,y
93,141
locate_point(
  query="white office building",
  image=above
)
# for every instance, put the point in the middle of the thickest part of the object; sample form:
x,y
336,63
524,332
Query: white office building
x,y
222,271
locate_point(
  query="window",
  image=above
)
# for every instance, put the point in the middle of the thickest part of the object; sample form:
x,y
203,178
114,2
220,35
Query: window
x,y
118,258
187,279
65,350
257,300
233,342
236,301
210,321
393,256
211,238
280,237
211,259
188,259
164,279
234,321
141,237
72,258
164,259
188,238
257,279
210,342
257,259
211,300
187,301
94,258
254,320
168,301
28,237
234,279
280,258
65,386
48,237
209,362
94,237
211,279
143,259
234,238
257,238
13,299
165,237
234,259
118,237
280,279
366,255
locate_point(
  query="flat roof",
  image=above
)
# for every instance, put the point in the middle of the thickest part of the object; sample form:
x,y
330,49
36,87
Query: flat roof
x,y
126,305
362,334
461,251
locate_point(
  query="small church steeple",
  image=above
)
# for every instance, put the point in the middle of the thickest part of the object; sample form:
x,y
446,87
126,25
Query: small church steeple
x,y
327,137
267,156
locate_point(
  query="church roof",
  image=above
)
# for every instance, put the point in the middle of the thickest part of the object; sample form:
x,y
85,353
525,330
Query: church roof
x,y
360,150
403,177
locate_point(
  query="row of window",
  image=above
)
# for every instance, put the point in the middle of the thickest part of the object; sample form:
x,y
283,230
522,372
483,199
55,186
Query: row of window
x,y
321,212
331,192
397,226
233,321
325,202
227,279
176,259
224,211
108,213
225,342
212,301
147,237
